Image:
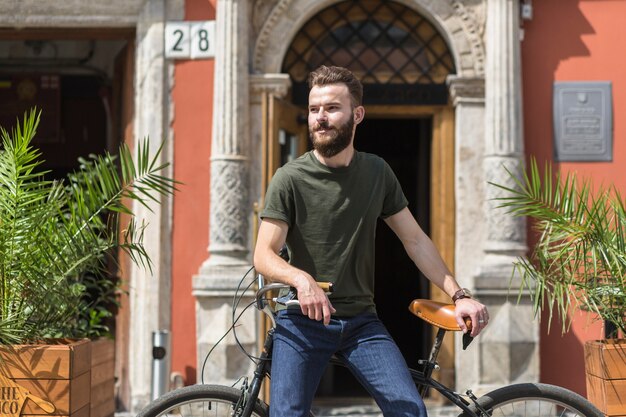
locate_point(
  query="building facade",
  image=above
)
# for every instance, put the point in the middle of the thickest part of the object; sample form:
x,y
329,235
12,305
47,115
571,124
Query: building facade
x,y
455,91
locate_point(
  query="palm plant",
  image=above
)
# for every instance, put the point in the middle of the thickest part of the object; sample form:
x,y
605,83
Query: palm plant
x,y
580,257
58,237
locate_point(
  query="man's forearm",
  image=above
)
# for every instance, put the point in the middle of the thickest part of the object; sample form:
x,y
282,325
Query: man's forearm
x,y
313,301
273,267
428,260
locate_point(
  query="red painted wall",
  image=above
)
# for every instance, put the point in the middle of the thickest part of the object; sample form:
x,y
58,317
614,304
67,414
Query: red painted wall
x,y
193,116
573,40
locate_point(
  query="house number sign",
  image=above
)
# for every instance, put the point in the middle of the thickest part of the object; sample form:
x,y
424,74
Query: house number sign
x,y
190,40
583,125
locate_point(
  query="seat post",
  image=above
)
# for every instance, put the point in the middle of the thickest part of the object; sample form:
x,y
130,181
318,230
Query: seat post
x,y
431,364
434,352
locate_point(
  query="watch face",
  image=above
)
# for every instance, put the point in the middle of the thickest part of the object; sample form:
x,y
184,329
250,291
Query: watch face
x,y
462,293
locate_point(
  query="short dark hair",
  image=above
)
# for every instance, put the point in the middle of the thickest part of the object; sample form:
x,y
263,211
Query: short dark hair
x,y
324,75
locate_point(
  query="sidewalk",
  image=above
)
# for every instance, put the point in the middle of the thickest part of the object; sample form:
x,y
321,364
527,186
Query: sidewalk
x,y
339,408
331,408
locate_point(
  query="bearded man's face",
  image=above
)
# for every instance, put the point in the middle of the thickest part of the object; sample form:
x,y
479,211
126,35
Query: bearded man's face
x,y
331,119
329,140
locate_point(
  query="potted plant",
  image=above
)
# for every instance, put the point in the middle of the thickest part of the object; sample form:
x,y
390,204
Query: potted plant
x,y
579,261
58,240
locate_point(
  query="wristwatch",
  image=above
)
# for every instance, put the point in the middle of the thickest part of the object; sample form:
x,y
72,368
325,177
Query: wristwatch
x,y
462,293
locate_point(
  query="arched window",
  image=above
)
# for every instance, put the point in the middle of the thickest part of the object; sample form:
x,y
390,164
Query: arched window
x,y
390,47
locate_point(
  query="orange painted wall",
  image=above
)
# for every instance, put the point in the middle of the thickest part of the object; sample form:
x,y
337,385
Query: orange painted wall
x,y
193,112
573,40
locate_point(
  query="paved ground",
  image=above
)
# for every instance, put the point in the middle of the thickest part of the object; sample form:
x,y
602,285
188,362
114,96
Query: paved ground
x,y
371,410
341,408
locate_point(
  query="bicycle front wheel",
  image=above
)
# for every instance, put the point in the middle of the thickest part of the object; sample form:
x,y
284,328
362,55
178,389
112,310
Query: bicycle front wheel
x,y
536,400
200,401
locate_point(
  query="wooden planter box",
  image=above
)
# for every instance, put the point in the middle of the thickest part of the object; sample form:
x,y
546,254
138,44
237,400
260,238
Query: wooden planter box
x,y
46,379
102,378
605,366
72,377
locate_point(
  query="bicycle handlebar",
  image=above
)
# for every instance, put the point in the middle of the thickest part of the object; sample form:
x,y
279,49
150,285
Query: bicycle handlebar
x,y
290,298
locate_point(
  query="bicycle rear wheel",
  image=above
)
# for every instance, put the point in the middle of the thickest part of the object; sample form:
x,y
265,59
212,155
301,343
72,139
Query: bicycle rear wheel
x,y
537,400
200,401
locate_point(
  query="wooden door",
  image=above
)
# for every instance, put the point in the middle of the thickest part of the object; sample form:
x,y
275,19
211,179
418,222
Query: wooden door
x,y
284,139
284,135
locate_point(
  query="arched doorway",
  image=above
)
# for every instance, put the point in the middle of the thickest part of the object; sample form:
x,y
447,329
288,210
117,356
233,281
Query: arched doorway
x,y
403,62
398,54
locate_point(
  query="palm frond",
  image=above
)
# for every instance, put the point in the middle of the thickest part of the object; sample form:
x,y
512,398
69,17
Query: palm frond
x,y
580,257
55,234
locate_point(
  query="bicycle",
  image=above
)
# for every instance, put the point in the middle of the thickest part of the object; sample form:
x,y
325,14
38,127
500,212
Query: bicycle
x,y
519,400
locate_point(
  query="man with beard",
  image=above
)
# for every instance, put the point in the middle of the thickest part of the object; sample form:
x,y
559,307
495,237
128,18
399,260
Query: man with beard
x,y
325,207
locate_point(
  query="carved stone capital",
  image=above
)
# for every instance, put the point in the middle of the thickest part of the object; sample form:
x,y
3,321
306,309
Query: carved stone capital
x,y
466,89
503,227
229,218
276,84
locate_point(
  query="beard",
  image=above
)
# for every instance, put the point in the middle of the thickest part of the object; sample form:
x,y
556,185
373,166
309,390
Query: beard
x,y
333,141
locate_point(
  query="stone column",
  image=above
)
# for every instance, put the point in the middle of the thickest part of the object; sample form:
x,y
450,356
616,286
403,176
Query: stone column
x,y
504,140
228,234
149,290
468,97
231,208
508,349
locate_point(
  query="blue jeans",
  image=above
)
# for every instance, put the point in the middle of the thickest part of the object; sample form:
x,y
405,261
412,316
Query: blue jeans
x,y
303,347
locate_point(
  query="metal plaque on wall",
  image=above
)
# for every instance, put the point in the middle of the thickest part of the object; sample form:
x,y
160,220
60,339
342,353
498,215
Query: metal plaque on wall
x,y
583,122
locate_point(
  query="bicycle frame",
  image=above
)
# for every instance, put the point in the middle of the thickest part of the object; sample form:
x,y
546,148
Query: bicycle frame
x,y
423,379
262,370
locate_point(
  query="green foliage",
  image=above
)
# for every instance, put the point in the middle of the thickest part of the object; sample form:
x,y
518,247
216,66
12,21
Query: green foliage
x,y
57,237
580,257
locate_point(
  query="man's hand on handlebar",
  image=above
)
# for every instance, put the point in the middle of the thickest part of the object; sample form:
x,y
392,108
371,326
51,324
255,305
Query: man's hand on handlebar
x,y
314,302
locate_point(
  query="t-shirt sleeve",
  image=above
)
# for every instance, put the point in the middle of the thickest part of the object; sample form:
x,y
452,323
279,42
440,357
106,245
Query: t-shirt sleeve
x,y
394,200
279,202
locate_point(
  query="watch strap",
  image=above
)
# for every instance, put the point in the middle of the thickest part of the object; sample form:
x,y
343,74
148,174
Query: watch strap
x,y
462,293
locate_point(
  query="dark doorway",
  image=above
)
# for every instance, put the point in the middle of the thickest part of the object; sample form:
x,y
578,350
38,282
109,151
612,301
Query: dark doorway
x,y
406,146
73,119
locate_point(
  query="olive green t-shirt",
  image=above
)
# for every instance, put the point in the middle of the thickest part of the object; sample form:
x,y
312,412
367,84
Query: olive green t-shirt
x,y
332,215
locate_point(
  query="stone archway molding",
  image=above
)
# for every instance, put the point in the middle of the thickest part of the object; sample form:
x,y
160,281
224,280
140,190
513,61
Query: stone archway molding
x,y
457,23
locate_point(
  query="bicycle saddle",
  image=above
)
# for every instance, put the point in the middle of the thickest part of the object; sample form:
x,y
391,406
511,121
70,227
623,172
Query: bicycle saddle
x,y
440,315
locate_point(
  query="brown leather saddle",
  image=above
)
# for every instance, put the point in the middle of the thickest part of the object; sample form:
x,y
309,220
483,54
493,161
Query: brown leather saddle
x,y
440,315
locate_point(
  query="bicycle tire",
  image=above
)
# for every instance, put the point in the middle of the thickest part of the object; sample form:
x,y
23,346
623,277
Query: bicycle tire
x,y
200,401
538,400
